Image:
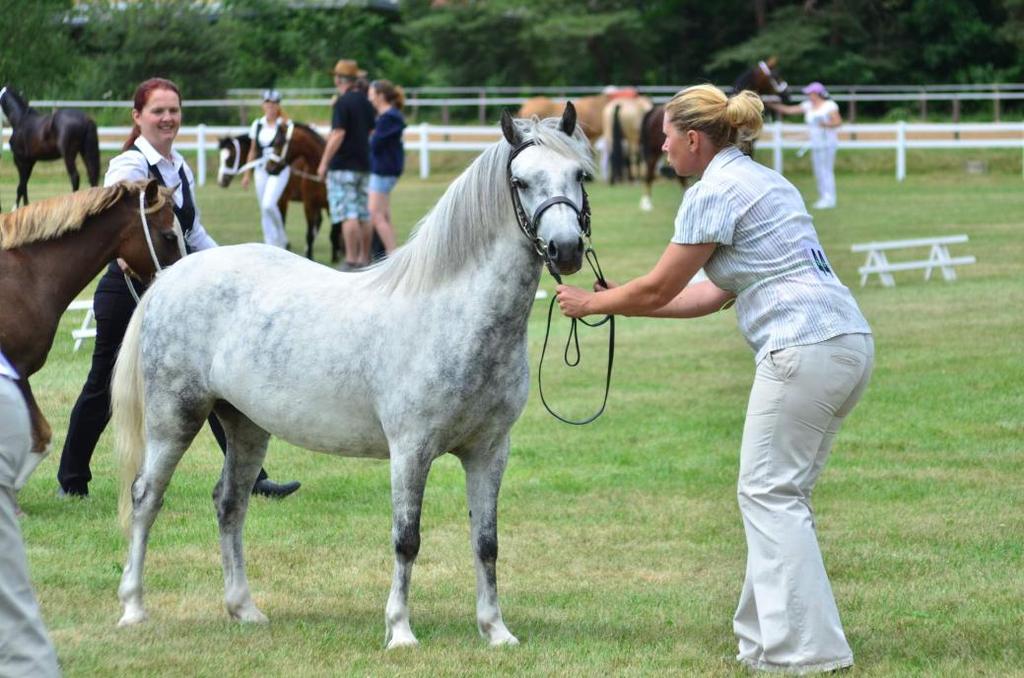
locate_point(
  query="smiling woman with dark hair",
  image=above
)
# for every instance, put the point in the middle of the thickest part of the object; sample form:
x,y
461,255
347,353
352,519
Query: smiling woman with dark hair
x,y
148,153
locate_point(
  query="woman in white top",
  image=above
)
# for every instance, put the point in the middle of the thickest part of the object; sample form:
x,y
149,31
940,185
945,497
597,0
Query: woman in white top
x,y
748,227
148,153
823,120
269,187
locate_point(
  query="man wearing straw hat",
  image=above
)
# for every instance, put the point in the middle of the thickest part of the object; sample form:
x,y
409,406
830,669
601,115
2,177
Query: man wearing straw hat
x,y
346,164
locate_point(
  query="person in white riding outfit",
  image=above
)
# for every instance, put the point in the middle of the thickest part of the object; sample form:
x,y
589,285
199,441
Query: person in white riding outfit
x,y
269,187
748,227
821,115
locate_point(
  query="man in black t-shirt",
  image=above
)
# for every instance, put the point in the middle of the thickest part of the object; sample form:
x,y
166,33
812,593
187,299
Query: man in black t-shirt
x,y
346,164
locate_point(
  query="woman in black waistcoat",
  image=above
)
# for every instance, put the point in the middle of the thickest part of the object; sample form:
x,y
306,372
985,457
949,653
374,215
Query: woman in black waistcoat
x,y
148,153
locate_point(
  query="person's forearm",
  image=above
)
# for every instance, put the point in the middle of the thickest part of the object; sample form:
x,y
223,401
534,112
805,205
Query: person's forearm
x,y
333,144
695,301
637,297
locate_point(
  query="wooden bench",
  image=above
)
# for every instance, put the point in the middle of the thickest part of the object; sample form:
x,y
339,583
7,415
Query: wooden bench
x,y
938,257
86,330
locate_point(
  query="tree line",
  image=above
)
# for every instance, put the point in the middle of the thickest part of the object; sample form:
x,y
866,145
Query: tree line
x,y
65,49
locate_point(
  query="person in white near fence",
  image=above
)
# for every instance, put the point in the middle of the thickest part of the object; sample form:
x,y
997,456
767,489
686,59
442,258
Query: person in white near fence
x,y
748,227
269,187
822,117
25,649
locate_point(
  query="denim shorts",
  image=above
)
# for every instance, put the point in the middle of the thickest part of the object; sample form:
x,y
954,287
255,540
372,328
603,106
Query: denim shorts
x,y
380,183
347,195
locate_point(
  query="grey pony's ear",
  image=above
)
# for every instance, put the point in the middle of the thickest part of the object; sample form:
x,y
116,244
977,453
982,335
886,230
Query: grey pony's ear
x,y
152,192
568,124
508,128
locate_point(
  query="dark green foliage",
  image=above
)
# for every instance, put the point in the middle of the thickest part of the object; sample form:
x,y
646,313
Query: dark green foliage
x,y
34,44
103,49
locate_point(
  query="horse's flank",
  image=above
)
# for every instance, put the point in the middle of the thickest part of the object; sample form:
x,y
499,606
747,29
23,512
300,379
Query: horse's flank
x,y
52,218
454,233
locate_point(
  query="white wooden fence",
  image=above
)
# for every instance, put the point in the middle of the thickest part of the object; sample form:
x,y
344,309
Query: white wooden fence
x,y
425,138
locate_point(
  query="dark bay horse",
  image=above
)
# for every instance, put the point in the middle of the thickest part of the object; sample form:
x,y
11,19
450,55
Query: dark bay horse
x,y
300,147
49,252
311,193
762,78
66,133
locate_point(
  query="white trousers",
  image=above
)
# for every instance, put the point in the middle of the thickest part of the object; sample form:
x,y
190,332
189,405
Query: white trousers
x,y
787,618
269,188
823,160
25,649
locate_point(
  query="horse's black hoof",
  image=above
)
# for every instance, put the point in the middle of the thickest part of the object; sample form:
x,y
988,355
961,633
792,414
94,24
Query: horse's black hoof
x,y
268,488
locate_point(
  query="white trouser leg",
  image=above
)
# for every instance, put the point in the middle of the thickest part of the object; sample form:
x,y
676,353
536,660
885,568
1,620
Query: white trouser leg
x,y
787,617
819,163
25,649
269,188
828,181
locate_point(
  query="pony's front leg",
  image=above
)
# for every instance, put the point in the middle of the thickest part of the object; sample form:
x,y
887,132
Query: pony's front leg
x,y
484,468
247,447
409,471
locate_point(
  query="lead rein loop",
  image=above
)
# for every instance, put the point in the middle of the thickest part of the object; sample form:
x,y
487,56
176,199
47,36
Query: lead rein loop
x,y
573,340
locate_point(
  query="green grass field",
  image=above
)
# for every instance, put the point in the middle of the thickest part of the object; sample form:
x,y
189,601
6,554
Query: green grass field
x,y
622,550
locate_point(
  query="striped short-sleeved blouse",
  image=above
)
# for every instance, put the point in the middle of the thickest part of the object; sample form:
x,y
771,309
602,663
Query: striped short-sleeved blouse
x,y
768,254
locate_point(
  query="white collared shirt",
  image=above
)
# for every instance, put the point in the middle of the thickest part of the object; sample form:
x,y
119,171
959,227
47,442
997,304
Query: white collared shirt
x,y
134,166
6,369
768,254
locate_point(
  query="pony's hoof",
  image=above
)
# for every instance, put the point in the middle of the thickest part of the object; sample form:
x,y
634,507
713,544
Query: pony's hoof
x,y
407,641
507,641
249,615
645,204
131,618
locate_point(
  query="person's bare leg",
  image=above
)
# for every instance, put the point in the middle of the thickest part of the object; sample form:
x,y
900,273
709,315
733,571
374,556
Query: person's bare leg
x,y
351,232
380,217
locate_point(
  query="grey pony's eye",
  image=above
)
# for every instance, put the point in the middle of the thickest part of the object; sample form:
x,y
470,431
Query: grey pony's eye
x,y
582,176
519,183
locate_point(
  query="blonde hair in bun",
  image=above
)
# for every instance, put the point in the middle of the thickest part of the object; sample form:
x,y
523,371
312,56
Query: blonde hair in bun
x,y
727,121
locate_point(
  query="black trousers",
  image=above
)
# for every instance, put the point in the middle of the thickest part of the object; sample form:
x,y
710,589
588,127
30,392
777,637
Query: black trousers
x,y
113,306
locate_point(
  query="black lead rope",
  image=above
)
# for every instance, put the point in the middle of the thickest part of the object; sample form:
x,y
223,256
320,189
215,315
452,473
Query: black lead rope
x,y
528,226
574,341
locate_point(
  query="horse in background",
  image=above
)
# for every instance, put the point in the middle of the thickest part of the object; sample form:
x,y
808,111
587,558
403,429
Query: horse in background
x,y
623,119
379,363
652,139
300,146
49,252
65,133
763,78
312,194
589,112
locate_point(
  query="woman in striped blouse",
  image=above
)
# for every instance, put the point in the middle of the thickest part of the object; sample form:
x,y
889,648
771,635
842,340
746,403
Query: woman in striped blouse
x,y
748,227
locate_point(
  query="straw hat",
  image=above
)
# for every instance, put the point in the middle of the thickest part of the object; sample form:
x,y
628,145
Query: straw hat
x,y
348,68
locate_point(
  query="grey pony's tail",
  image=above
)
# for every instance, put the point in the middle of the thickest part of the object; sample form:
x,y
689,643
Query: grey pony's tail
x,y
128,407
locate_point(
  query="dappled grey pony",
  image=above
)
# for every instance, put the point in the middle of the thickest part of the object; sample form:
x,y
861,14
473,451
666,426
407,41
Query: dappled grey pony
x,y
423,354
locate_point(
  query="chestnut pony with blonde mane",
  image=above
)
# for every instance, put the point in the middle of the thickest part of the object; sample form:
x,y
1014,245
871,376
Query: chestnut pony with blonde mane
x,y
49,252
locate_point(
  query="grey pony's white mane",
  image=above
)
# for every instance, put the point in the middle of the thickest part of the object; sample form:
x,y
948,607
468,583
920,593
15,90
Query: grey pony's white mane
x,y
470,214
